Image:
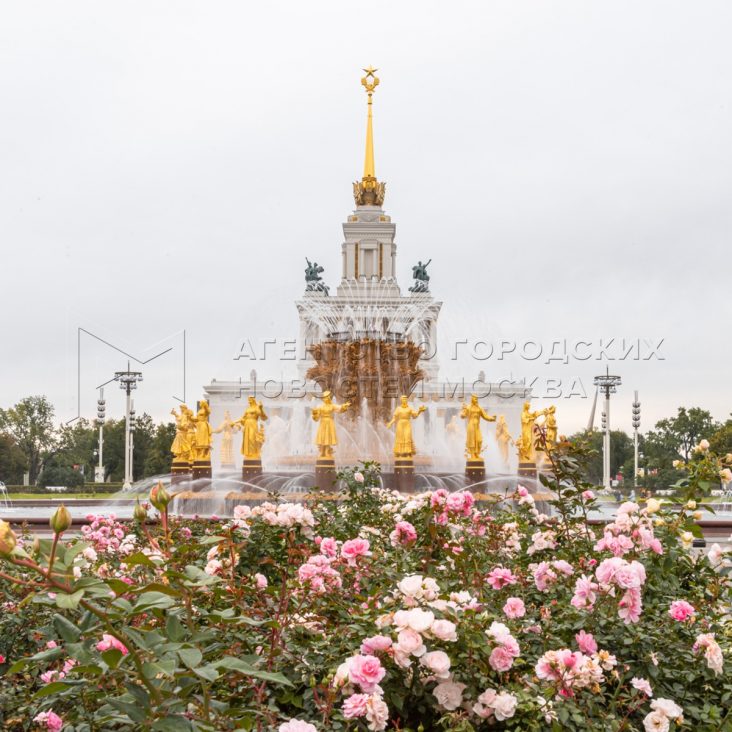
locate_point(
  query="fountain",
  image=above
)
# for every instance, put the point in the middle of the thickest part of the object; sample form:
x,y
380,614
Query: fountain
x,y
369,352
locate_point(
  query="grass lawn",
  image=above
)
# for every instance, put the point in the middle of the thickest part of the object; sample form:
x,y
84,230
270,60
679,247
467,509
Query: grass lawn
x,y
65,497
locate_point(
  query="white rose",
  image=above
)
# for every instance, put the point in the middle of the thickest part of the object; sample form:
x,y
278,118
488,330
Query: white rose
x,y
653,505
667,707
377,713
411,586
410,642
438,662
656,722
504,706
444,630
420,620
449,694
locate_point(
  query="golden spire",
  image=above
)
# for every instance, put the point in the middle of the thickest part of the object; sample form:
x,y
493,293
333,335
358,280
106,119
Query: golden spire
x,y
369,82
369,192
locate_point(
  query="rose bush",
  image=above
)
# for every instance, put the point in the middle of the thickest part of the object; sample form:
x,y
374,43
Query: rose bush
x,y
377,611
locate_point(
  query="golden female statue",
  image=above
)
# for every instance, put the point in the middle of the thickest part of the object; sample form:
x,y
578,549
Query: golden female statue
x,y
503,437
474,413
403,416
227,428
181,447
526,448
252,437
326,438
202,448
190,425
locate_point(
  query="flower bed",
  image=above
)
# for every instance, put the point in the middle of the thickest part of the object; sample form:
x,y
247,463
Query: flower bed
x,y
380,611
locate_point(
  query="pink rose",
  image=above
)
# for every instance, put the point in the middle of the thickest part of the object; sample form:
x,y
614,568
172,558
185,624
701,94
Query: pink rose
x,y
261,581
355,706
366,671
642,685
329,547
586,642
681,610
109,641
354,548
500,659
499,577
514,608
52,721
376,644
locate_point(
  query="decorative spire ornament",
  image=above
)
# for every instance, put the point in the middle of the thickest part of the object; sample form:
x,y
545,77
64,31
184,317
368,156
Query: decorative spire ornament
x,y
369,191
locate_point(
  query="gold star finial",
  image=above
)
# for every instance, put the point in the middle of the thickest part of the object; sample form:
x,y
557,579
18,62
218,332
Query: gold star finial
x,y
370,81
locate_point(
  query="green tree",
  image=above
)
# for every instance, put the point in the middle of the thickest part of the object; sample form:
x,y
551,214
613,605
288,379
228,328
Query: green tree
x,y
77,445
158,457
721,441
676,436
621,448
30,424
12,461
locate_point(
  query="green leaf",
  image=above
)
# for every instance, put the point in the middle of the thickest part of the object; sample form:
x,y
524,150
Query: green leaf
x,y
206,540
174,628
69,602
172,724
55,687
234,664
66,629
191,657
152,600
207,672
131,710
112,657
140,558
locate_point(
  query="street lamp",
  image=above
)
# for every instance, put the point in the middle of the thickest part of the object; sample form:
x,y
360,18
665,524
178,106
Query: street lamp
x,y
636,425
101,411
608,384
127,382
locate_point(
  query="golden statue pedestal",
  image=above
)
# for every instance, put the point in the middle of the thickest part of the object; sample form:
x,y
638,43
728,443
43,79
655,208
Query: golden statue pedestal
x,y
251,468
180,472
527,470
404,474
325,473
201,469
475,470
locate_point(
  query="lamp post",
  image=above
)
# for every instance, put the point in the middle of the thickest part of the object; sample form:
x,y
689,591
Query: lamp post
x,y
127,382
636,425
608,384
101,410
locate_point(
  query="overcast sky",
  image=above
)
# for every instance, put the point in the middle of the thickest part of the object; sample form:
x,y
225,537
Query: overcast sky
x,y
166,166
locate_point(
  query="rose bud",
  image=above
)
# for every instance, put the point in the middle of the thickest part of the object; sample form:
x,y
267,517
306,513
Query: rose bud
x,y
61,520
159,497
7,539
139,512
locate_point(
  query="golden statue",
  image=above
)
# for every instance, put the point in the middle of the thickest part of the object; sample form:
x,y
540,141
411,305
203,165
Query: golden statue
x,y
202,447
403,416
227,428
181,447
474,440
503,437
326,438
252,437
190,426
526,448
